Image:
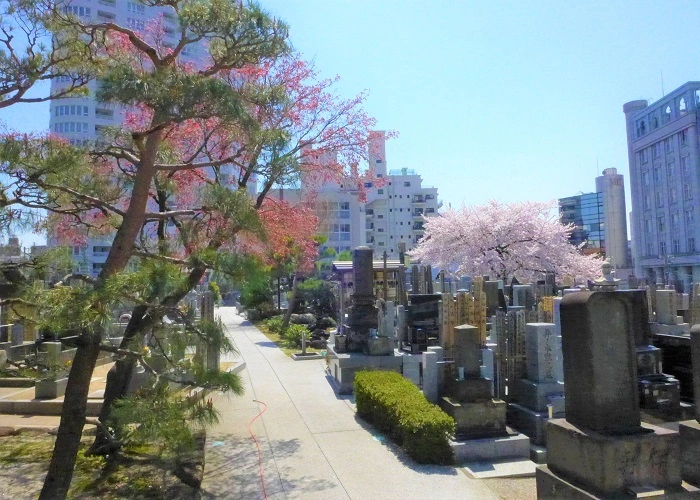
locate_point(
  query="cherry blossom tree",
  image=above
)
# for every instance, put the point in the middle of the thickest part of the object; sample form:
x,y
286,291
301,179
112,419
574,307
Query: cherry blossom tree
x,y
522,240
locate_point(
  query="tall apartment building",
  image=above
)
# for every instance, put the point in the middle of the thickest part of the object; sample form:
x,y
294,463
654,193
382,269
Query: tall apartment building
x,y
81,119
392,213
664,155
599,218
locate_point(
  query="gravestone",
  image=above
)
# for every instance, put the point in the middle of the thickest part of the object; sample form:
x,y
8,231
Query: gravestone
x,y
600,362
467,350
469,398
602,448
491,291
363,315
667,320
539,396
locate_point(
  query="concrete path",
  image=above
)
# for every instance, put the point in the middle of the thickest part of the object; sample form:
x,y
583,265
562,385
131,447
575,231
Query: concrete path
x,y
311,443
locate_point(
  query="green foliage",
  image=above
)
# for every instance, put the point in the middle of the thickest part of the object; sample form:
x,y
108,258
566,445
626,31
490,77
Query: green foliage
x,y
215,291
345,255
275,324
397,407
293,334
156,415
320,294
256,290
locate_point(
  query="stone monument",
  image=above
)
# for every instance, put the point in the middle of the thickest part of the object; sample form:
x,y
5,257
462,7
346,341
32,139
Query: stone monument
x,y
540,396
361,347
601,449
363,315
470,402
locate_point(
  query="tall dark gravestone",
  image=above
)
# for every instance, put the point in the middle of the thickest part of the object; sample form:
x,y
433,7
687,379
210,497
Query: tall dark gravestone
x,y
362,316
602,449
600,362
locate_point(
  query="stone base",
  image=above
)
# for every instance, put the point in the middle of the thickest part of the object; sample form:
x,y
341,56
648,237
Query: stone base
x,y
302,356
512,445
550,486
380,346
50,389
659,392
612,465
681,329
476,420
536,395
529,422
343,366
690,451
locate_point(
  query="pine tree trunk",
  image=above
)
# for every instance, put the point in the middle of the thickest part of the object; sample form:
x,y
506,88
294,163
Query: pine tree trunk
x,y
120,376
70,430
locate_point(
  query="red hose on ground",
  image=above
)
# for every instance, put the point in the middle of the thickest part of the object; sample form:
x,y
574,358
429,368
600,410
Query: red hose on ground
x,y
250,430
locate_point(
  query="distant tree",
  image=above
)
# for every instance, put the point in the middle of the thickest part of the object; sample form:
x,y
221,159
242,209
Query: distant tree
x,y
522,240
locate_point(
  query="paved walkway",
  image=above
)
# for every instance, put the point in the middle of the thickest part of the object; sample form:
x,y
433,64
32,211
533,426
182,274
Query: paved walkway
x,y
312,445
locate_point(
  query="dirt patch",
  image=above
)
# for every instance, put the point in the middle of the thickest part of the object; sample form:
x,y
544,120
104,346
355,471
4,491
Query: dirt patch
x,y
24,460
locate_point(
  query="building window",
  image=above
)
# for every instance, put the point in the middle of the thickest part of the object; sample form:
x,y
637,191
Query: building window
x,y
643,156
645,179
685,166
381,216
380,191
647,202
689,217
662,247
647,226
675,220
368,184
691,244
136,8
77,11
406,184
661,224
650,248
135,24
687,191
668,145
659,199
684,137
641,128
657,174
676,246
666,115
671,170
656,150
673,195
681,106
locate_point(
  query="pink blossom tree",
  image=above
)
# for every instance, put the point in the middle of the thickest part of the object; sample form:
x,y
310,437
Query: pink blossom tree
x,y
522,240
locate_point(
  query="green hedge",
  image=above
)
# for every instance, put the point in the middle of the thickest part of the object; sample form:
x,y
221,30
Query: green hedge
x,y
397,407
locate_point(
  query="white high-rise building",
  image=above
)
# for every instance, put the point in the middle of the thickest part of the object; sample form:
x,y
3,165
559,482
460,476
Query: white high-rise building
x,y
392,213
81,119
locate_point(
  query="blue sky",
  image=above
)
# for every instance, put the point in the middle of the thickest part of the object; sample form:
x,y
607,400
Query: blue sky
x,y
511,100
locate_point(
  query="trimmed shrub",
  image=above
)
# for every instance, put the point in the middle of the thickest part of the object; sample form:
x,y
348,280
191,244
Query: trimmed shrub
x,y
397,407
